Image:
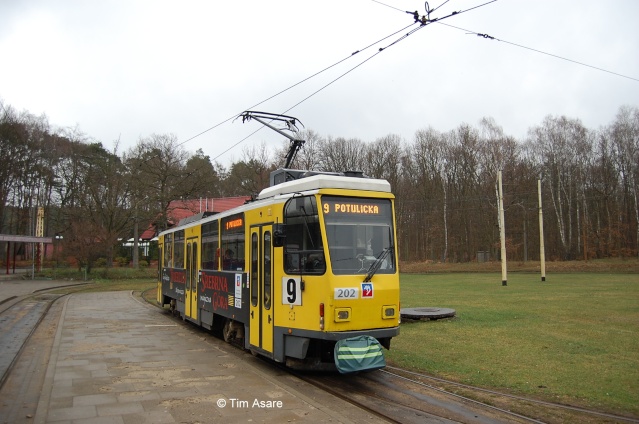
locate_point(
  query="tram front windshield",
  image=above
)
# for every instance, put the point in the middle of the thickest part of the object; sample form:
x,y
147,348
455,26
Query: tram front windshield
x,y
359,234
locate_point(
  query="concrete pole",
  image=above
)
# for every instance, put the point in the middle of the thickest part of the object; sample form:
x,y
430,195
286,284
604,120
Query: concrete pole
x,y
542,255
502,233
136,248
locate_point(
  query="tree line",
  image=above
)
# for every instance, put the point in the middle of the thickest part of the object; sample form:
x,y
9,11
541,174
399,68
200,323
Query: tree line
x,y
444,183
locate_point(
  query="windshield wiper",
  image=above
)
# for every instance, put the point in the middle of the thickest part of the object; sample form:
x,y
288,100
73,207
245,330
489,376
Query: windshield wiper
x,y
308,230
378,263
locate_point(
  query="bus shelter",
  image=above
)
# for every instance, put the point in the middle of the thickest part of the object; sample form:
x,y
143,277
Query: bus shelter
x,y
38,243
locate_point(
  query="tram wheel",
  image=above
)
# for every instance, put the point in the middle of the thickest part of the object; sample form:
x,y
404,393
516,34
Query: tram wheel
x,y
228,332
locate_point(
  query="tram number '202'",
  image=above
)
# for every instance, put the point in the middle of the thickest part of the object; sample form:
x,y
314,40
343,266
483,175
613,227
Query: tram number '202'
x,y
346,293
291,291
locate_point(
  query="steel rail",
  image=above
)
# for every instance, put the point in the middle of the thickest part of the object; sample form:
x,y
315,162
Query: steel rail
x,y
520,398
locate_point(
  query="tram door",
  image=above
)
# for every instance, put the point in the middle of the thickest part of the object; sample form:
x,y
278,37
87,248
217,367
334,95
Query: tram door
x,y
262,319
190,297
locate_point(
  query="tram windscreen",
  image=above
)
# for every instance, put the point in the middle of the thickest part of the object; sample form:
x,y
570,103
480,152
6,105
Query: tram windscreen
x,y
359,233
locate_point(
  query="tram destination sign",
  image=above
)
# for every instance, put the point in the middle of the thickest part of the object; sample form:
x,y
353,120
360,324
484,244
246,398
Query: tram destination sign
x,y
350,208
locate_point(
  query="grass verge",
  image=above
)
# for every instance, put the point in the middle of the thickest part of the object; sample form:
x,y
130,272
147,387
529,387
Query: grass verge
x,y
98,274
573,339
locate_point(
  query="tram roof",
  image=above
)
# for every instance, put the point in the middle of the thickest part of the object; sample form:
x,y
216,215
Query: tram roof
x,y
314,182
320,181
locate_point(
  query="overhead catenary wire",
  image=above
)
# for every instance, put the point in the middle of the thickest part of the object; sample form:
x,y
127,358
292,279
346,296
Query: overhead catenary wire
x,y
424,21
326,85
281,92
289,88
295,85
422,25
353,68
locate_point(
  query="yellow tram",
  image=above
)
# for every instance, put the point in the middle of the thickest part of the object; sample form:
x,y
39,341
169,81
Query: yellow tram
x,y
310,263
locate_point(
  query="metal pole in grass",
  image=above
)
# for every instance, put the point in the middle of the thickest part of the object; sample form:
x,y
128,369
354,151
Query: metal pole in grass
x,y
542,255
502,232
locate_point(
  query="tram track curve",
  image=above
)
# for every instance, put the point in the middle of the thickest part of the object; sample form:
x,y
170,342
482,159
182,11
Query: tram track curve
x,y
410,400
20,317
552,411
409,404
390,394
17,323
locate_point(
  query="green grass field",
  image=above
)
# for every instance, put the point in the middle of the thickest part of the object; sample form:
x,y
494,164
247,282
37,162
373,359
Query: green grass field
x,y
573,338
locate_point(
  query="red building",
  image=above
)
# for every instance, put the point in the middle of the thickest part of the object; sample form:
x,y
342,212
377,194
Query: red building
x,y
181,209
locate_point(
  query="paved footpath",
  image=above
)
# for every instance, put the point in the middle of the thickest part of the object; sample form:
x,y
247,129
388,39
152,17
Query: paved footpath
x,y
117,360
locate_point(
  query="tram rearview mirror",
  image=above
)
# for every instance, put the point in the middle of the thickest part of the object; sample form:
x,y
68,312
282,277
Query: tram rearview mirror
x,y
279,235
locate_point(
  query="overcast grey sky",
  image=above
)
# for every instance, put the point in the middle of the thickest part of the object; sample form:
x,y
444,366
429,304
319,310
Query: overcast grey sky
x,y
124,69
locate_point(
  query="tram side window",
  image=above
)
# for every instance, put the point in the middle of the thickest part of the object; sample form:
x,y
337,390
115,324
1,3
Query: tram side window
x,y
266,270
210,238
233,242
178,254
303,249
168,250
254,273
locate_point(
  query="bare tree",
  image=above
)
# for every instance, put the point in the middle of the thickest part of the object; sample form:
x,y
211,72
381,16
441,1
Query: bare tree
x,y
308,158
431,167
157,166
250,175
625,133
340,155
558,143
102,216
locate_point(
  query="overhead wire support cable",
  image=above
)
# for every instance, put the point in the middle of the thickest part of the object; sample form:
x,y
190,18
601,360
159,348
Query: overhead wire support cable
x,y
388,5
490,37
435,9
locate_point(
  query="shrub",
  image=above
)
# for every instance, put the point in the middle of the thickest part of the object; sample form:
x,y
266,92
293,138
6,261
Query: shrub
x,y
122,261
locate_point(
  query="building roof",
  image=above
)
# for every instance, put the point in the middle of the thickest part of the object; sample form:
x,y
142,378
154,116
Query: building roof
x,y
180,209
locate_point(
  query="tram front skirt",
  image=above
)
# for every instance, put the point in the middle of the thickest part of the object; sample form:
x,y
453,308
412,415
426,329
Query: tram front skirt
x,y
359,353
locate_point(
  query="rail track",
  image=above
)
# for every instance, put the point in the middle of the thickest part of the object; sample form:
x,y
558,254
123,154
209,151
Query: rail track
x,y
17,324
20,316
534,409
405,402
408,397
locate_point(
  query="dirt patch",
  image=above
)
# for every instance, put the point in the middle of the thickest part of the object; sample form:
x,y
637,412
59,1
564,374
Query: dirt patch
x,y
629,265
